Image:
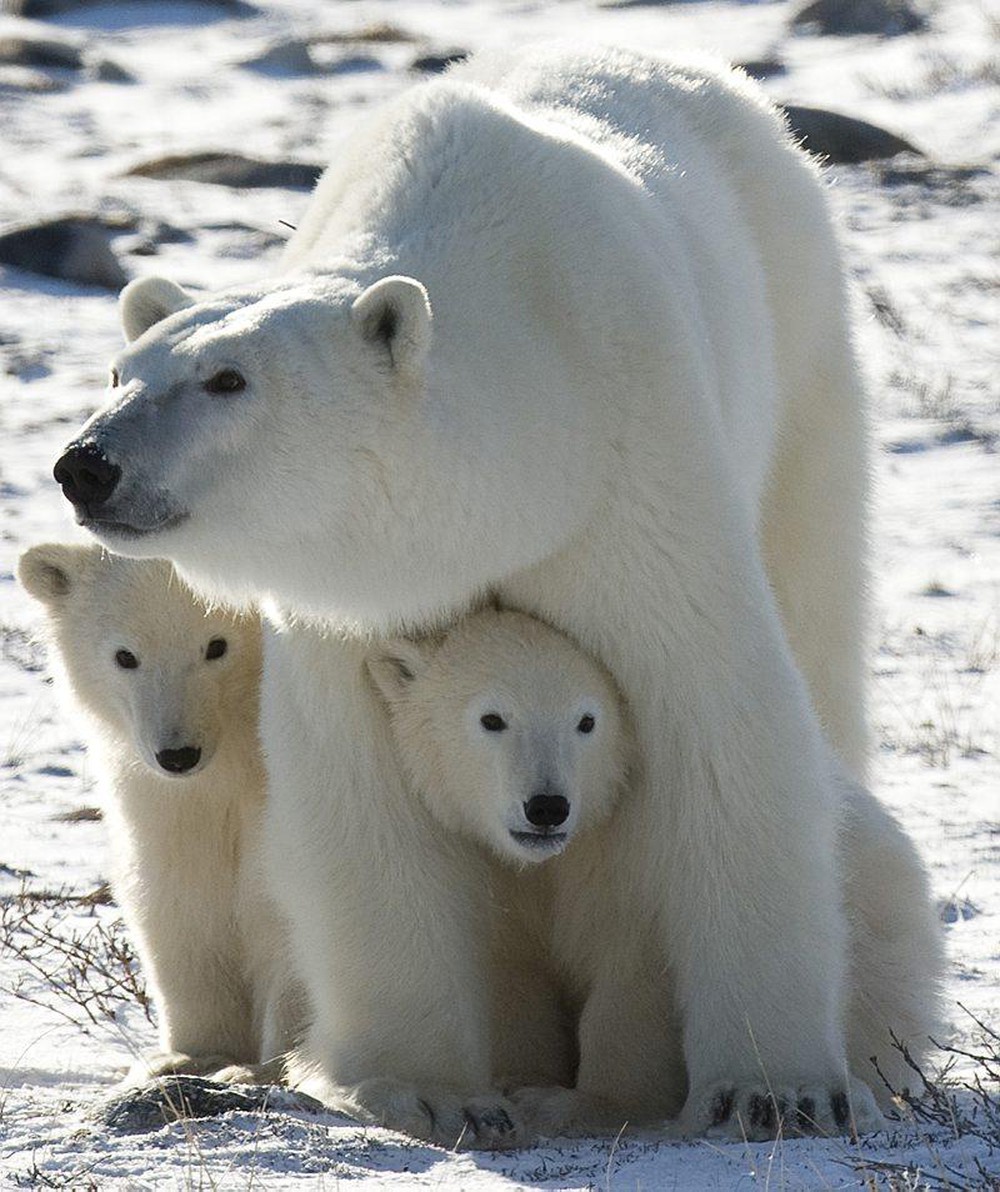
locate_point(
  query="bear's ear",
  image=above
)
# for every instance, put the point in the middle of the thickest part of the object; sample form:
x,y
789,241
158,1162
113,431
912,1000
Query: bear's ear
x,y
394,314
147,300
393,666
49,572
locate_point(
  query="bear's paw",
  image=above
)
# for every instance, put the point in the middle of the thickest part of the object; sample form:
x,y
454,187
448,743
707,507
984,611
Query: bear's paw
x,y
447,1118
758,1110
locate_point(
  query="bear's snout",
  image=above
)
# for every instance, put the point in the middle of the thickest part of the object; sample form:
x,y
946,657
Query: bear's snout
x,y
86,476
547,811
179,761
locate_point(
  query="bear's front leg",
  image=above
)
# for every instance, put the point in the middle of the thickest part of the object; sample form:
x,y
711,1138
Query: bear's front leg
x,y
732,811
754,926
388,912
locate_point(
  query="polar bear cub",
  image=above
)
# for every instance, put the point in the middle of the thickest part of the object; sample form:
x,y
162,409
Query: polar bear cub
x,y
170,692
515,737
516,740
511,734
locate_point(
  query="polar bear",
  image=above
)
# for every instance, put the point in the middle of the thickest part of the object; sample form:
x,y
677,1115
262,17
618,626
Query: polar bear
x,y
515,740
170,692
502,707
567,327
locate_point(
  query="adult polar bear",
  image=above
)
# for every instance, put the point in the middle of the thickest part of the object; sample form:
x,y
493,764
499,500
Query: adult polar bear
x,y
633,413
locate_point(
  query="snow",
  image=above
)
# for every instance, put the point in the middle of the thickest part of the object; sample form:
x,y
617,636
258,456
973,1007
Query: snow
x,y
928,314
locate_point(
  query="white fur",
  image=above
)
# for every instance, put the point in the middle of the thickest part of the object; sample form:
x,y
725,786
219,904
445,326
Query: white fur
x,y
629,405
611,973
185,847
478,783
538,688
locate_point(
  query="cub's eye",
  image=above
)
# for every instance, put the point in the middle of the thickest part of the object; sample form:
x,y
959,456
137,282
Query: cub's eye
x,y
216,648
493,723
114,379
126,660
586,724
228,380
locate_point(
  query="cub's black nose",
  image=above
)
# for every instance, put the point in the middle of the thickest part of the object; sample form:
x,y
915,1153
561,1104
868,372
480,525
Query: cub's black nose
x,y
179,761
547,811
86,475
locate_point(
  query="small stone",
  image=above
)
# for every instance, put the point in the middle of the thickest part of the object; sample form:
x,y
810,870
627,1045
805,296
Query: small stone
x,y
54,8
176,1098
283,58
844,140
229,169
436,63
842,18
764,68
76,249
106,71
23,49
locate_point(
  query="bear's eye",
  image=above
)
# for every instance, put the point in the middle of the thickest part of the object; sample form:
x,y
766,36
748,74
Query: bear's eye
x,y
216,648
126,660
492,722
114,379
227,380
586,724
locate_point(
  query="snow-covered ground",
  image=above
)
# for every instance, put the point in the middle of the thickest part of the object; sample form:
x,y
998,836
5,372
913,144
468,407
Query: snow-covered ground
x,y
921,244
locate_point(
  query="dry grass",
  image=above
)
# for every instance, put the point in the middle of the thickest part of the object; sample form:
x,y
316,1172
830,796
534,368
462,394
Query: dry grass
x,y
75,961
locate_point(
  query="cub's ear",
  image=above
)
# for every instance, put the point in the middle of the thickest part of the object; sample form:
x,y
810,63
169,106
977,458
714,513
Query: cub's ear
x,y
50,572
394,314
393,666
147,300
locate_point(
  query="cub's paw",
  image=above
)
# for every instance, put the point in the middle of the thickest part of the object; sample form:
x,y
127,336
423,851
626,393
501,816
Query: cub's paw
x,y
555,1112
449,1119
272,1072
173,1063
757,1111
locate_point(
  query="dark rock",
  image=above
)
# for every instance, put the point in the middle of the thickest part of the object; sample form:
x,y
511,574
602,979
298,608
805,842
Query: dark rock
x,y
283,58
930,175
76,249
917,182
54,8
843,139
174,1098
764,68
845,17
229,169
25,49
353,64
436,63
106,71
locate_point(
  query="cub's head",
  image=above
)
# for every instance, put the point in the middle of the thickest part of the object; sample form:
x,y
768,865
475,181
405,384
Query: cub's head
x,y
238,437
165,680
508,731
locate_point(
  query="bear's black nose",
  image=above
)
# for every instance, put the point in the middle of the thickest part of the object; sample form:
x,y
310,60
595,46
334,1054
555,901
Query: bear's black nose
x,y
86,475
179,761
547,811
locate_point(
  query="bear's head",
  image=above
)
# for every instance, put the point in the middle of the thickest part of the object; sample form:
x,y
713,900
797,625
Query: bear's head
x,y
507,730
260,437
303,441
164,679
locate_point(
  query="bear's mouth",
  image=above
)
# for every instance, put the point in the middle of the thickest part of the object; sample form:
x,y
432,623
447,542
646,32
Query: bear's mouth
x,y
541,841
122,529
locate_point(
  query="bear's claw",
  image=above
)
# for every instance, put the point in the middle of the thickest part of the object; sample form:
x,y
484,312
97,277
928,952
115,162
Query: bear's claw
x,y
757,1112
443,1117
